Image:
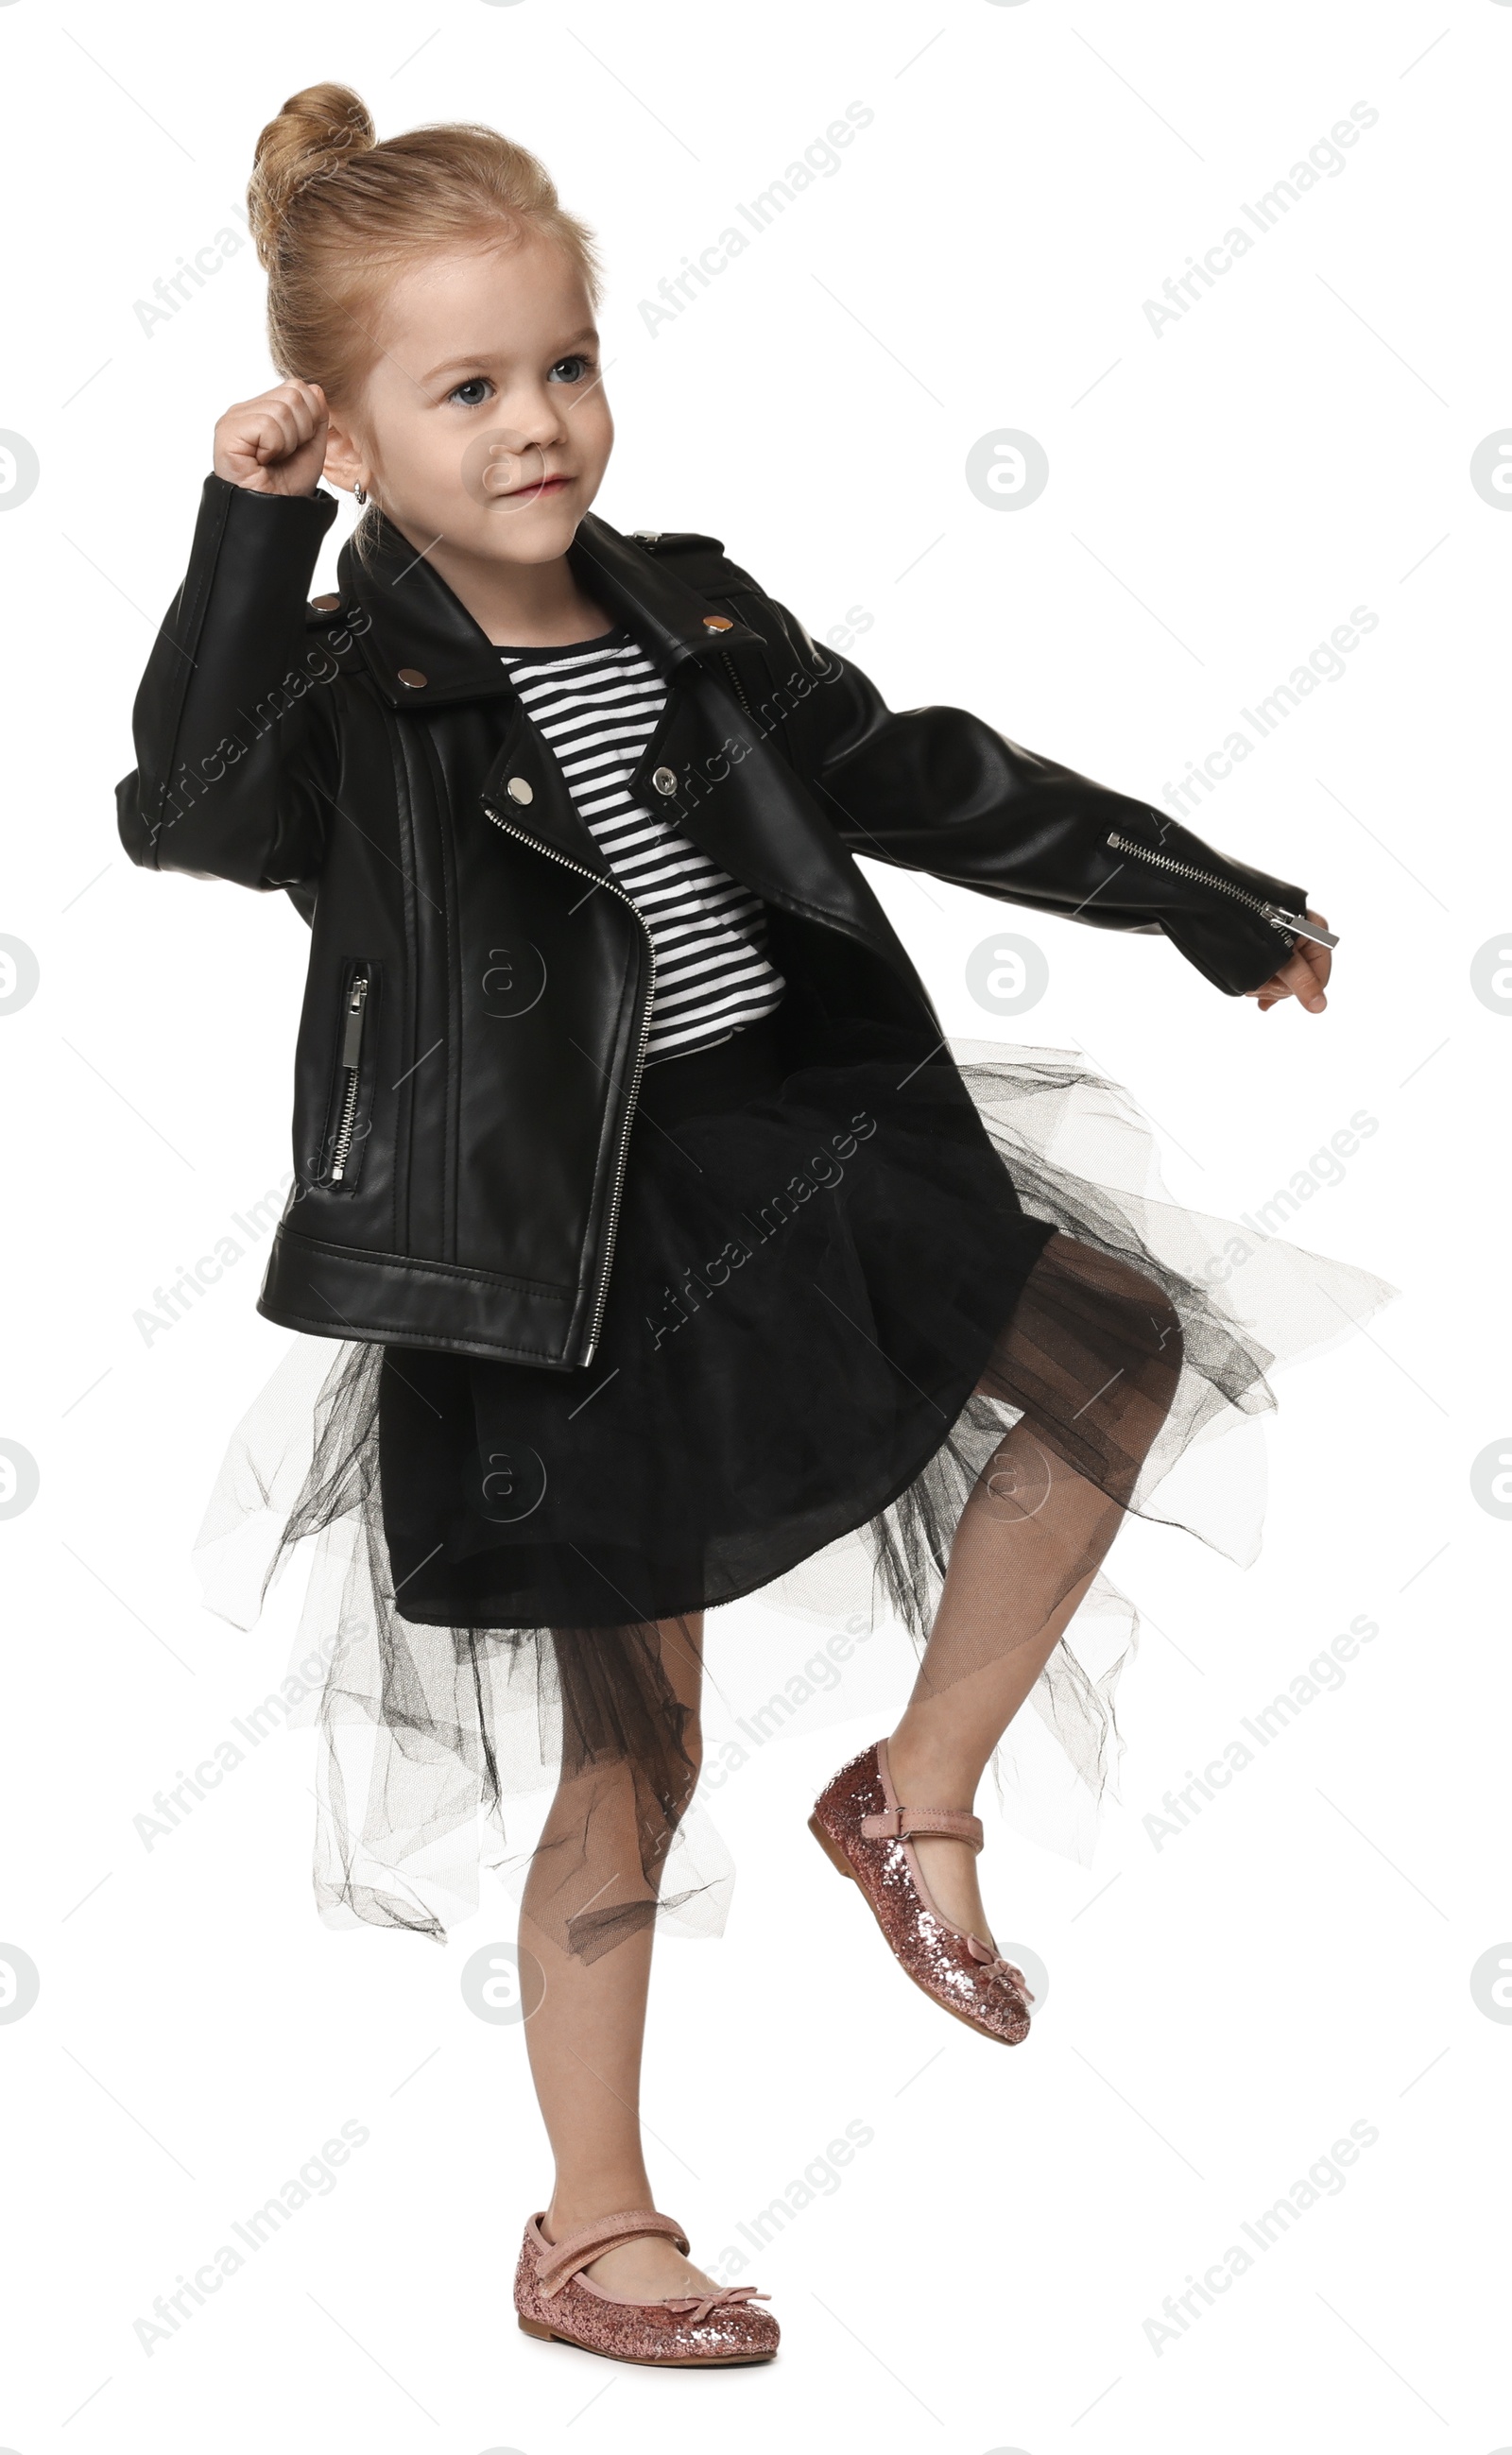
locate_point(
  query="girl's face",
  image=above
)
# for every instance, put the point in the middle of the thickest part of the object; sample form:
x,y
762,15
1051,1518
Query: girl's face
x,y
483,421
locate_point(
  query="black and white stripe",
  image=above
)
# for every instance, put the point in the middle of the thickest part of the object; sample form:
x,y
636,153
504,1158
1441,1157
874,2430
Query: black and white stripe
x,y
598,704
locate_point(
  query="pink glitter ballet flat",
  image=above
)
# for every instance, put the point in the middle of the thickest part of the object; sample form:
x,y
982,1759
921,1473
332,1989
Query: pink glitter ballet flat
x,y
859,1824
691,2331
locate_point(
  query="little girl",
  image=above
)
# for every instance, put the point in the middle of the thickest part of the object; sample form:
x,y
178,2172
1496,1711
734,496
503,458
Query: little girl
x,y
665,1244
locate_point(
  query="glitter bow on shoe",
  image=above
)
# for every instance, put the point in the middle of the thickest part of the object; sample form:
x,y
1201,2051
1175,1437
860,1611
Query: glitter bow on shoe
x,y
732,2294
989,1959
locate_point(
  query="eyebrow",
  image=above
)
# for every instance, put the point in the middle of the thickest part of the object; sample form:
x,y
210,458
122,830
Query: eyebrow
x,y
489,358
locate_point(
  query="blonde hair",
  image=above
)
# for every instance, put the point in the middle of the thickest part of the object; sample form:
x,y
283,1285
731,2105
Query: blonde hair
x,y
335,215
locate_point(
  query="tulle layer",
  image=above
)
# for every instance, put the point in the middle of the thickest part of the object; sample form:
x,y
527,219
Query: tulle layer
x,y
833,1296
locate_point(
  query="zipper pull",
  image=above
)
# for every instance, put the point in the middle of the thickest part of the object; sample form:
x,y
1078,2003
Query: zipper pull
x,y
352,1039
1299,926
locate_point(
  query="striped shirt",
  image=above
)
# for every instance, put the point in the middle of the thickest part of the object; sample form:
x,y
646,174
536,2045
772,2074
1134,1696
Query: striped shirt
x,y
598,704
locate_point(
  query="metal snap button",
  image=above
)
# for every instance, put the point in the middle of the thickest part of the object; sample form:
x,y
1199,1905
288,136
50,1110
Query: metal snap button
x,y
718,622
664,779
326,604
412,678
518,790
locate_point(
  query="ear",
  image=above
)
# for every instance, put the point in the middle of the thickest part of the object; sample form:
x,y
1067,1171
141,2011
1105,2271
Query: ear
x,y
343,461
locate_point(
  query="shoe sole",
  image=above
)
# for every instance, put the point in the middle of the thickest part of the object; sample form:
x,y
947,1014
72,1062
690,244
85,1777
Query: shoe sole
x,y
837,1859
643,2361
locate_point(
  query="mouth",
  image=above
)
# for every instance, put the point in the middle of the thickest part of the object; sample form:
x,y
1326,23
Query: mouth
x,y
539,486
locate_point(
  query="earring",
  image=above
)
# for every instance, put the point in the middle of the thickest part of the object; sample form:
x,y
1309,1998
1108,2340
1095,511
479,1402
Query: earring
x,y
360,493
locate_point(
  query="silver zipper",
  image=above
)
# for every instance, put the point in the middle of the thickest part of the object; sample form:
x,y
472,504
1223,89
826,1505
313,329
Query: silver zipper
x,y
1276,914
351,1067
598,879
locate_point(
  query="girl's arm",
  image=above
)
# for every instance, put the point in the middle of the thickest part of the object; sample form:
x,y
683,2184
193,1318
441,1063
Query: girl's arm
x,y
937,789
235,746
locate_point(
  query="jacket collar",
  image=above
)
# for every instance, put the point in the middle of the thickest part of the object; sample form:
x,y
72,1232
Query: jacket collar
x,y
415,624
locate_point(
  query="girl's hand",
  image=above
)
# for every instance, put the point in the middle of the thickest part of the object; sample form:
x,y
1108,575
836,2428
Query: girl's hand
x,y
276,444
1302,976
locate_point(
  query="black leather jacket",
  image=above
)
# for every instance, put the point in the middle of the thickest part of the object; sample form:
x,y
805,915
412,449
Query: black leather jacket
x,y
480,987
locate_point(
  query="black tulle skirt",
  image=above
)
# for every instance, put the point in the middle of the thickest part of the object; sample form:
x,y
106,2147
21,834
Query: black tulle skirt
x,y
808,1276
836,1288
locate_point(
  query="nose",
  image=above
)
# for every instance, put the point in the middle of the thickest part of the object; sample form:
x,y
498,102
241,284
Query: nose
x,y
536,413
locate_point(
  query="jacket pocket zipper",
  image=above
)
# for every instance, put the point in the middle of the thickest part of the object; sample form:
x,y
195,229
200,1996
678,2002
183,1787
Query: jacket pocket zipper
x,y
354,1013
1293,924
596,879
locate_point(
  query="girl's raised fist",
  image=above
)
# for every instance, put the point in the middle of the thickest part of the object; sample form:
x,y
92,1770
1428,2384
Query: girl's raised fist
x,y
276,444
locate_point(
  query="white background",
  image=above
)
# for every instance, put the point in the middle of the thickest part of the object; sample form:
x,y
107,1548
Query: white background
x,y
1298,1960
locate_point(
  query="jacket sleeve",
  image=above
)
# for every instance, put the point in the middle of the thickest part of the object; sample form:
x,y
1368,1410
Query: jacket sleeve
x,y
937,789
234,737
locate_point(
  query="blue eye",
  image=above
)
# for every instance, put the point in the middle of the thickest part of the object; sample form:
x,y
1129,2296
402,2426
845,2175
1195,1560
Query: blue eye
x,y
478,386
578,364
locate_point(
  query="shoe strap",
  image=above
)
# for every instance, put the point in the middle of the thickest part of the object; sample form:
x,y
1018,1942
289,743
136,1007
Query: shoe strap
x,y
951,1823
562,2259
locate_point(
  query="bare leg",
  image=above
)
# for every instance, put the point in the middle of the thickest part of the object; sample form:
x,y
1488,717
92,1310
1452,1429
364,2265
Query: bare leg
x,y
945,1737
586,2022
1033,1534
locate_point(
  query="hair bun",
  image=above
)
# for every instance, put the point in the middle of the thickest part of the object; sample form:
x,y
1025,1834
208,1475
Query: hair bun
x,y
315,134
